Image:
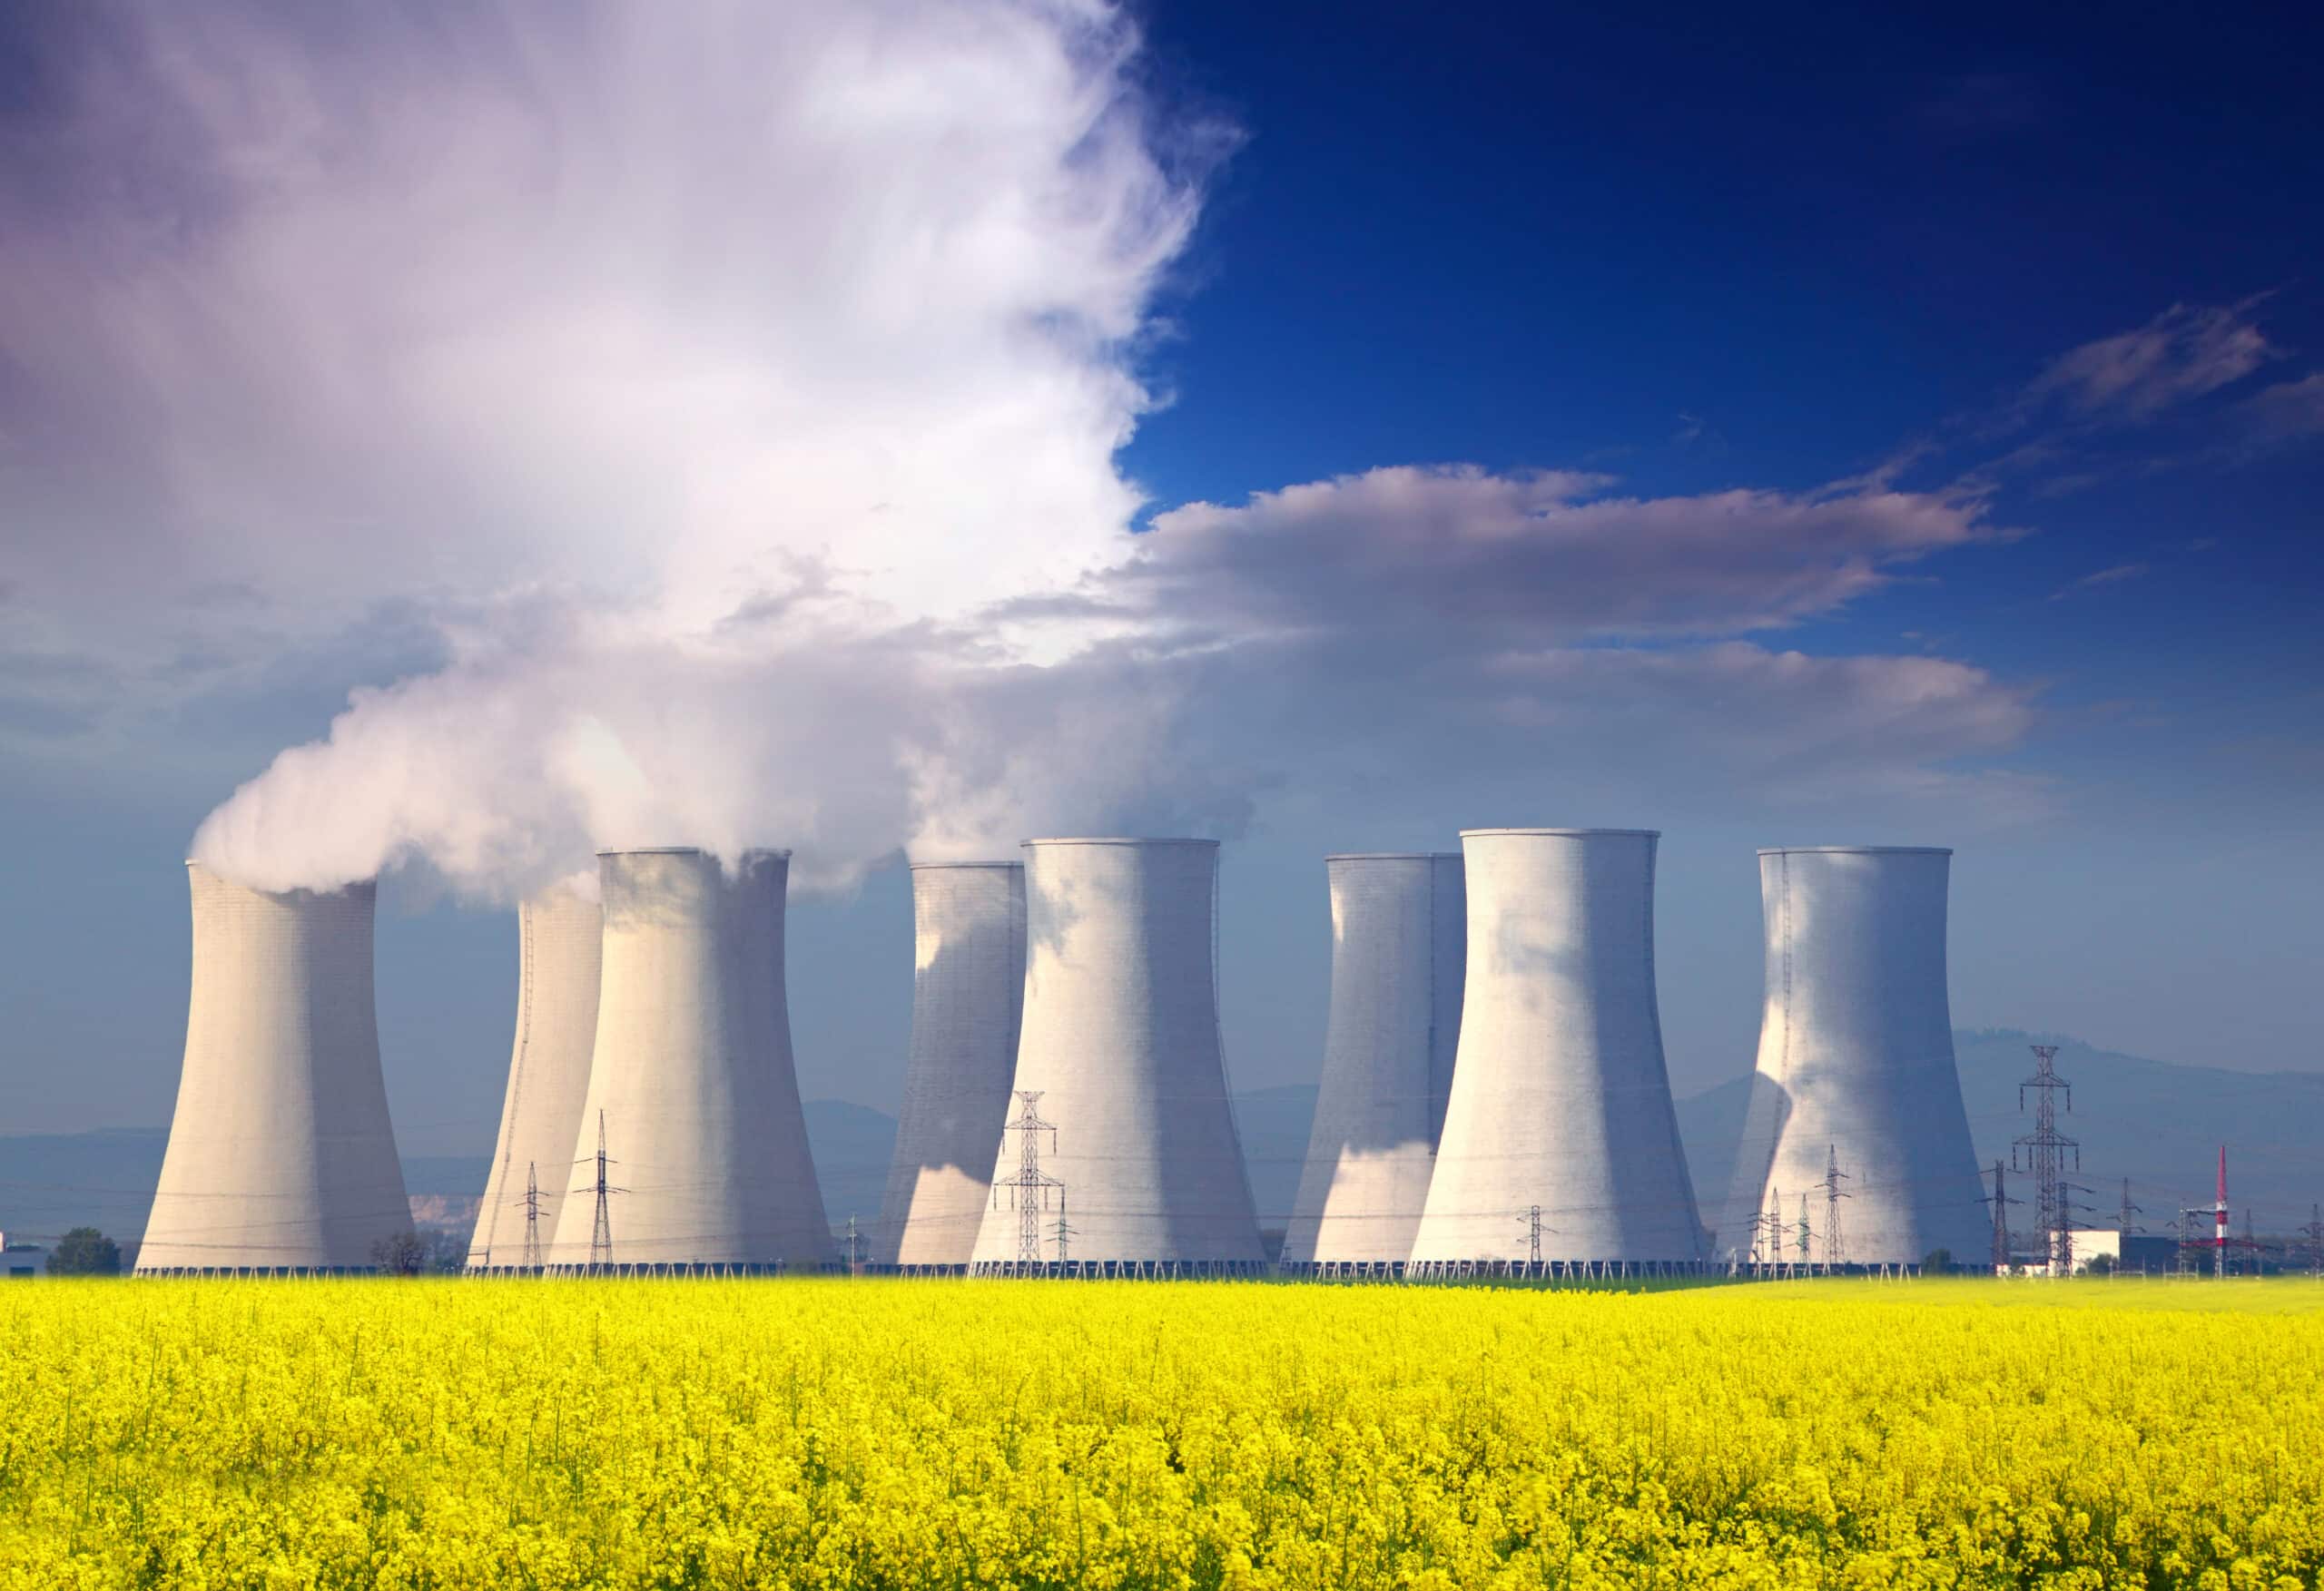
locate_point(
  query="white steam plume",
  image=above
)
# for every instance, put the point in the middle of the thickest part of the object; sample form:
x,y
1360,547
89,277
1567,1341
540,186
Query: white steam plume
x,y
699,371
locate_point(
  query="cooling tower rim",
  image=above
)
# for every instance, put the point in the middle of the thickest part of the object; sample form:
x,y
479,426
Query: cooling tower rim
x,y
1856,850
1112,840
349,888
783,854
935,867
1394,856
1565,833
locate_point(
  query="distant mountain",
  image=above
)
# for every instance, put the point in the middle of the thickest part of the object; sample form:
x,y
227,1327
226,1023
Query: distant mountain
x,y
2158,1123
852,1145
53,1181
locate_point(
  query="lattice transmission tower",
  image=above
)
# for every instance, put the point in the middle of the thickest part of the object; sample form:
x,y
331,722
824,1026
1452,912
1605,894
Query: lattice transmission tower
x,y
1835,1251
532,1202
2045,1151
1769,1238
2129,1224
601,1233
1029,1189
1530,1219
2000,1201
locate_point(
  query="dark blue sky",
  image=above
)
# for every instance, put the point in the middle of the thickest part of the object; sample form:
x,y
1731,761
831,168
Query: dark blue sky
x,y
1725,247
2049,282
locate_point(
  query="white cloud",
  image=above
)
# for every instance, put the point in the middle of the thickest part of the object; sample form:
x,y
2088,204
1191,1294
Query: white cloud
x,y
2287,410
2183,353
1454,637
706,434
337,304
686,379
1536,556
2113,575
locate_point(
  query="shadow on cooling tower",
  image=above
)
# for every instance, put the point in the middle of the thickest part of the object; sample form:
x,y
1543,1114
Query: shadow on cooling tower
x,y
967,1011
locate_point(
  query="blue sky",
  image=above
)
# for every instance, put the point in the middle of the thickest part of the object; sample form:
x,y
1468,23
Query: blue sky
x,y
1963,358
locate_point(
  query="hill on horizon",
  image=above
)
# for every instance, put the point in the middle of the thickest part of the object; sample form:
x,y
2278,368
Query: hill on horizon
x,y
2156,1123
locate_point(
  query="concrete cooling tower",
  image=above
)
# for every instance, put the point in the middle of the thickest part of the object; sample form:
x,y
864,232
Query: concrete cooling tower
x,y
1561,1120
968,994
1399,929
559,933
1121,1043
1855,1062
281,1153
691,1076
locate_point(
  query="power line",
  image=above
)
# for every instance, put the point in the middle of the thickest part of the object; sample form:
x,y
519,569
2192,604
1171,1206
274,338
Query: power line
x,y
601,1236
1835,1252
1532,1217
2000,1201
532,1201
2045,1150
1028,1190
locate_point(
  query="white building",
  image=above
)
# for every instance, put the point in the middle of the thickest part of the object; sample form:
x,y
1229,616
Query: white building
x,y
1120,1040
281,1153
1398,933
691,1076
1856,1061
559,934
1561,1140
968,1001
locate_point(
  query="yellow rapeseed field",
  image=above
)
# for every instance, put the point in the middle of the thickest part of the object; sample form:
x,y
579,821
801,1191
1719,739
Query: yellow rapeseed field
x,y
837,1433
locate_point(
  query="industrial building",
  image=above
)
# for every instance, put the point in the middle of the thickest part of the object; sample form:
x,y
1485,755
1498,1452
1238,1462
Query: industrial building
x,y
1399,938
1121,1156
559,933
1856,1099
280,1155
967,997
1560,1143
691,1092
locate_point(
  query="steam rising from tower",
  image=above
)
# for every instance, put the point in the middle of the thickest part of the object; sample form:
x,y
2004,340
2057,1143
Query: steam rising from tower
x,y
1855,1054
280,1152
1560,1114
967,997
1121,1043
1399,932
692,1071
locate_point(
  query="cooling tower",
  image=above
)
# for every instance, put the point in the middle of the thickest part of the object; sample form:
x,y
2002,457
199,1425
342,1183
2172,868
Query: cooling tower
x,y
691,1075
1121,1042
1855,1060
1399,927
281,1153
557,935
967,992
1561,1104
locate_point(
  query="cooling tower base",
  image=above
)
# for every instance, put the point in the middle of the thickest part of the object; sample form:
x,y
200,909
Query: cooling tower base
x,y
1341,1271
1555,1270
283,1273
697,1268
1123,1270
